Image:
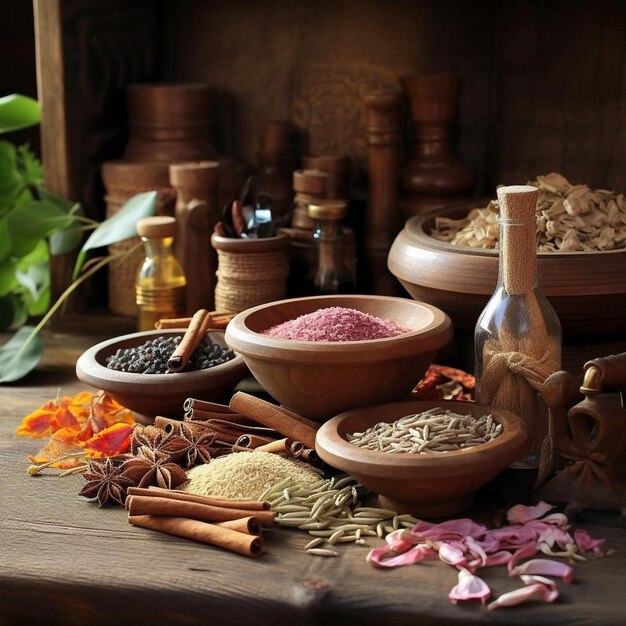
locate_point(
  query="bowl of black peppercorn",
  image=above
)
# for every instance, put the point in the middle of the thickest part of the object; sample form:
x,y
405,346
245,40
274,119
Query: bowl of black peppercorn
x,y
132,369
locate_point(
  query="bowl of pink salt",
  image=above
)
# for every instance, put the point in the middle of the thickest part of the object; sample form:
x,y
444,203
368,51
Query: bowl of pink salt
x,y
322,355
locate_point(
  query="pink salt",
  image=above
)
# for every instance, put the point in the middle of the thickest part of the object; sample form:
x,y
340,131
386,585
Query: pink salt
x,y
335,324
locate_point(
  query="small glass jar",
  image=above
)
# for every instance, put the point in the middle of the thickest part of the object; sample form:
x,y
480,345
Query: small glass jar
x,y
160,284
331,276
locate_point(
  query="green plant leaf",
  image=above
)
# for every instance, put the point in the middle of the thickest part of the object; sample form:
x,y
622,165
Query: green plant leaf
x,y
8,281
123,225
18,112
5,239
11,183
20,355
39,254
42,303
70,238
36,219
34,279
29,166
21,247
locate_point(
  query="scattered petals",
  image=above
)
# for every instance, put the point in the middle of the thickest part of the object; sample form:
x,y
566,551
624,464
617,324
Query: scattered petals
x,y
72,423
536,591
545,567
520,514
451,555
469,587
417,553
111,441
521,553
585,543
531,580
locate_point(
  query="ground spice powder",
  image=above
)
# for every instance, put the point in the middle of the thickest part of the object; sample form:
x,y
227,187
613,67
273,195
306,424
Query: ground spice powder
x,y
335,324
246,475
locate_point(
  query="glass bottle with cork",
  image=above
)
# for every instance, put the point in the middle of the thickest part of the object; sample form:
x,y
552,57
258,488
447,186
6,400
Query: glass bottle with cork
x,y
160,284
331,276
517,339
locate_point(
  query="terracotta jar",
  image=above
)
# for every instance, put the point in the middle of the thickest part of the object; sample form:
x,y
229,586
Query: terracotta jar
x,y
435,174
123,180
170,122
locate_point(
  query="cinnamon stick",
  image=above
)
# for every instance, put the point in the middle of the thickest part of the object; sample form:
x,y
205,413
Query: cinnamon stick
x,y
172,322
177,494
212,534
205,405
283,446
289,425
194,334
200,415
251,441
156,505
249,525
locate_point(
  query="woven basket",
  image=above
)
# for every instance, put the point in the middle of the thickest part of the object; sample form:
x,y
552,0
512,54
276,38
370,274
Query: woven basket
x,y
250,271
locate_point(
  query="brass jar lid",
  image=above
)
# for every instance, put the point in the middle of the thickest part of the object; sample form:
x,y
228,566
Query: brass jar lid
x,y
328,210
157,226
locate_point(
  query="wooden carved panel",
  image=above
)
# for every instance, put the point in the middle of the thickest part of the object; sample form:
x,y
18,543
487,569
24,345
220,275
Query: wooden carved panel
x,y
327,106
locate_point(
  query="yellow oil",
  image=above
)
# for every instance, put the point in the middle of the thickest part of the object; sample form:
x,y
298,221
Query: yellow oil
x,y
159,301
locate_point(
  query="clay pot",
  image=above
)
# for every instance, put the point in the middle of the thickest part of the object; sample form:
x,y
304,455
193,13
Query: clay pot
x,y
170,122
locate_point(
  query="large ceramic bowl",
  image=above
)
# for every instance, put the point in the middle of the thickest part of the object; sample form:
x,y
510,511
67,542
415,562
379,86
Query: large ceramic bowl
x,y
586,289
321,379
426,485
158,394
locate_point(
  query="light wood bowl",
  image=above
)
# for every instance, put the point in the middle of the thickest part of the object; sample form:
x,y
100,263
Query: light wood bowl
x,y
586,289
158,394
321,379
425,485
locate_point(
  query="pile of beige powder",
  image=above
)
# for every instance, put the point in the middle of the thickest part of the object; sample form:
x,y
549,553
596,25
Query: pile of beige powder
x,y
246,475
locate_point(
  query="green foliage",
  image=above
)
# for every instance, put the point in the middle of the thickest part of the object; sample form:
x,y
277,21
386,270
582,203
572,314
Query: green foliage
x,y
35,223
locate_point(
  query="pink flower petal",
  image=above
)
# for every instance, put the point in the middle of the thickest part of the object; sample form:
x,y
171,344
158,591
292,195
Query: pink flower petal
x,y
451,555
522,553
542,580
476,550
514,536
417,553
469,587
585,543
537,591
520,514
545,567
496,558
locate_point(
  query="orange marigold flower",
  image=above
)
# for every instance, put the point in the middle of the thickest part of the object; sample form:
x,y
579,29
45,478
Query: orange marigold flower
x,y
111,441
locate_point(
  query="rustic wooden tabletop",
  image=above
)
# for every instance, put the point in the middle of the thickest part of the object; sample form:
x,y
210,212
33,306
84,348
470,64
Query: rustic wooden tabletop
x,y
64,561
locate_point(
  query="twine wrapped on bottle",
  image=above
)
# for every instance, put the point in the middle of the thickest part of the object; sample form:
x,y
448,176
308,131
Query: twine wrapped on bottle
x,y
250,271
518,335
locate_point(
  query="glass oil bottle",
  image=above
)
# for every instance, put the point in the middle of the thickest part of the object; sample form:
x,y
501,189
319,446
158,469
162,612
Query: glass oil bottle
x,y
160,283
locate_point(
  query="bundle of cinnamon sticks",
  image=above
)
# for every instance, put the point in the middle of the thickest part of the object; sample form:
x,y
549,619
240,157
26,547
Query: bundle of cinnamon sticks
x,y
230,524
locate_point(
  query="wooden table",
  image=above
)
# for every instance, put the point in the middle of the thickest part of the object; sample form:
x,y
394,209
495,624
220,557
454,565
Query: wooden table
x,y
64,561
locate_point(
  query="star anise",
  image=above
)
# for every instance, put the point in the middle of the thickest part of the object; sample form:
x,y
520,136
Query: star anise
x,y
198,449
153,467
158,439
106,482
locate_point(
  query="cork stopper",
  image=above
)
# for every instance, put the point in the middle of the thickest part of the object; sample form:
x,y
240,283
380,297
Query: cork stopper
x,y
518,202
329,210
156,227
518,237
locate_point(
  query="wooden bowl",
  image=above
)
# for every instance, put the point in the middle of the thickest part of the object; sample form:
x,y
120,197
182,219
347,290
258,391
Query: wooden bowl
x,y
158,394
320,379
425,485
586,289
